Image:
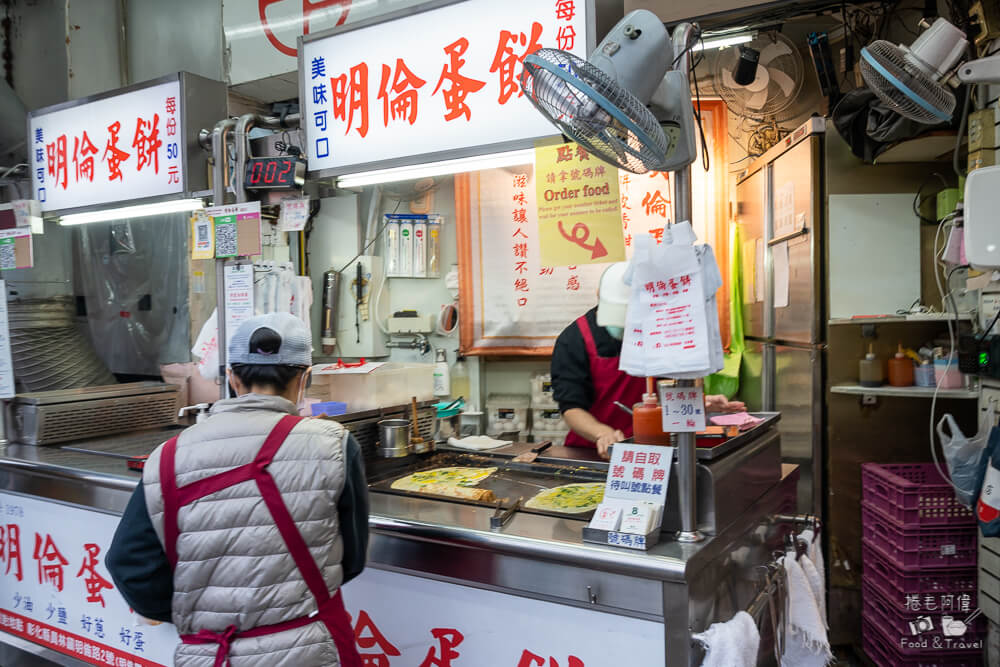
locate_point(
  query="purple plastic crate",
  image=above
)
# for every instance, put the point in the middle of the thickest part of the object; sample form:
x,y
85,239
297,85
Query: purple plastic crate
x,y
933,547
929,647
899,621
899,584
912,494
884,654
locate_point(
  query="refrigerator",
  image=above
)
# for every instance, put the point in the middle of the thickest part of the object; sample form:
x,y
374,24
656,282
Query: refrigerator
x,y
779,210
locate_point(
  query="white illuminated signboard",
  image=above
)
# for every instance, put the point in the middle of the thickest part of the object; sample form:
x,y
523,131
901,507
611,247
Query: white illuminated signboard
x,y
125,147
430,85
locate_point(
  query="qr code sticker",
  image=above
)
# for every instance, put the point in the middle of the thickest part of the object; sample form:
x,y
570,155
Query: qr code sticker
x,y
202,234
8,258
225,240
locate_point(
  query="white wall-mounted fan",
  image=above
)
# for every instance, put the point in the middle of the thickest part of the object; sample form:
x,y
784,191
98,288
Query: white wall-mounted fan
x,y
601,102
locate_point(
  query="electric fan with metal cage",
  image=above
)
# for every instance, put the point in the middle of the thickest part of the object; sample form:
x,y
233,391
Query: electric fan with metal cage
x,y
776,84
601,103
913,81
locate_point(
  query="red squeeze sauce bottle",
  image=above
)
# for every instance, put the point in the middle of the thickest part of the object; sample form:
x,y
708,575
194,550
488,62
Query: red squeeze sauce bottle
x,y
647,419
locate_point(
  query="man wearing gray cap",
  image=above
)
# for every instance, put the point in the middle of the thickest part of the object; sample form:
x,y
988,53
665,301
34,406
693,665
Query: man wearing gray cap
x,y
246,525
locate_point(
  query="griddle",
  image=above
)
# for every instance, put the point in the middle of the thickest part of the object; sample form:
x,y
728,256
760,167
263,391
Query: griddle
x,y
510,482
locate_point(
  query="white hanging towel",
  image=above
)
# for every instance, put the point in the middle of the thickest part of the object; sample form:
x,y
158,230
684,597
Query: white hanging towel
x,y
806,641
815,555
731,644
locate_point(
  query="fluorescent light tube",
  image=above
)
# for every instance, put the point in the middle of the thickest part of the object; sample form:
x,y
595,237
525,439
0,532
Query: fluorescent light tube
x,y
137,211
429,169
723,42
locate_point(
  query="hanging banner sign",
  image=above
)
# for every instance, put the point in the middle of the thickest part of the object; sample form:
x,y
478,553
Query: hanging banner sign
x,y
56,592
122,146
430,85
579,216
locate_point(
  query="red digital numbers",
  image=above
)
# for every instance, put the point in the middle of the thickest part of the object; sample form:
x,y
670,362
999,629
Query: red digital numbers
x,y
274,173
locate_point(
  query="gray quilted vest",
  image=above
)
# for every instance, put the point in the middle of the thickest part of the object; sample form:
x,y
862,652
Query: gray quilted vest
x,y
232,565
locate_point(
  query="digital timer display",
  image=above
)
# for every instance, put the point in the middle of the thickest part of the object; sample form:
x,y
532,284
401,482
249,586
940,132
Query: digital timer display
x,y
274,173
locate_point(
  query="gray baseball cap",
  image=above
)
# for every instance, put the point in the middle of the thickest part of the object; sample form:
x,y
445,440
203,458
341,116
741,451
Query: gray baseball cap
x,y
296,343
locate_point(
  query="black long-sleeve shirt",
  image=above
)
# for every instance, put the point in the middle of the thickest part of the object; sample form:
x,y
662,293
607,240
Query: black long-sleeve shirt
x,y
141,571
572,386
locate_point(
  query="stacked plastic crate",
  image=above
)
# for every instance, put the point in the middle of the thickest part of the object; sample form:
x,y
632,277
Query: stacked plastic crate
x,y
919,570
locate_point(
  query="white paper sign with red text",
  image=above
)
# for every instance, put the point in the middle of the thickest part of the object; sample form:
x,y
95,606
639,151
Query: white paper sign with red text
x,y
440,80
126,147
56,592
406,621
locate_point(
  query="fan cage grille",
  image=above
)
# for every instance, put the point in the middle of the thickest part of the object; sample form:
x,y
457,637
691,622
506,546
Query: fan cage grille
x,y
893,60
776,108
585,120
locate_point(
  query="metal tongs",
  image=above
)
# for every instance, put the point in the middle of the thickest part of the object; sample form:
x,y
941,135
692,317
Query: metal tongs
x,y
501,517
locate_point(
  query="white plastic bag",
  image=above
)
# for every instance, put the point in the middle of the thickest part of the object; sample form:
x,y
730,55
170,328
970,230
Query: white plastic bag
x,y
964,456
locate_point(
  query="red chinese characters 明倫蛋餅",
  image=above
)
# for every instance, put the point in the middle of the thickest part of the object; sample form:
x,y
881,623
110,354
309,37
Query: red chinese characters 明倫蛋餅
x,y
147,143
529,659
57,159
375,649
506,61
50,561
460,86
114,155
443,654
84,151
350,95
402,104
10,549
94,582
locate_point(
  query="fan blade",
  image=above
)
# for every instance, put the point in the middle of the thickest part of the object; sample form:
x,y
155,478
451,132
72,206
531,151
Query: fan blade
x,y
772,51
786,82
757,101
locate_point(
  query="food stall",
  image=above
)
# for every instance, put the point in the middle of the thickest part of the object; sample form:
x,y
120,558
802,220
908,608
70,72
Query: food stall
x,y
532,578
484,578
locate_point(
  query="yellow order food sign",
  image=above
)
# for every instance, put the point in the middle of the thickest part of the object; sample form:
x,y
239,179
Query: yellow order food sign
x,y
579,215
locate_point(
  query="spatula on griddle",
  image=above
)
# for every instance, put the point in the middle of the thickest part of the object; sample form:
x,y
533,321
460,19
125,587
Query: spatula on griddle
x,y
532,454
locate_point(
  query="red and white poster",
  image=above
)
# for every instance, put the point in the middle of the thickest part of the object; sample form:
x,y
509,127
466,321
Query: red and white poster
x,y
459,626
56,592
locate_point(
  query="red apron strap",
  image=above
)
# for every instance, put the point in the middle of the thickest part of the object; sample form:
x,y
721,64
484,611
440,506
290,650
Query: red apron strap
x,y
171,500
588,337
297,547
338,623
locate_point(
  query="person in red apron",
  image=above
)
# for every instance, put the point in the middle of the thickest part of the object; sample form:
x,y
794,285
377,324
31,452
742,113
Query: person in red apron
x,y
586,382
246,525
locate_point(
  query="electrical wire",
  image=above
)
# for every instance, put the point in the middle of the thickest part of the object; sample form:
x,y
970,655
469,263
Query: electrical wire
x,y
961,131
705,159
375,238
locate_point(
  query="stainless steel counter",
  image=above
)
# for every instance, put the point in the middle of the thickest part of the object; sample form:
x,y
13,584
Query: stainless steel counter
x,y
684,586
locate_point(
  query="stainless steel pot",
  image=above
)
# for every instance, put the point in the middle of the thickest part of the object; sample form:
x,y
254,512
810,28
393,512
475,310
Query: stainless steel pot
x,y
394,438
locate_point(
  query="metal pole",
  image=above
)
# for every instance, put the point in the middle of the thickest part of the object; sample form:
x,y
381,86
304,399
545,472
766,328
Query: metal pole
x,y
687,459
220,167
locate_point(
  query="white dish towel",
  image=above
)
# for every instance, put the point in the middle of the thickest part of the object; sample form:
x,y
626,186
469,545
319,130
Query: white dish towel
x,y
816,573
806,640
731,644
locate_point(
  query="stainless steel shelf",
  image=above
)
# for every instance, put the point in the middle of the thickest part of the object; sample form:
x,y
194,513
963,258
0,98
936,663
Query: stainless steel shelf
x,y
897,319
902,392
